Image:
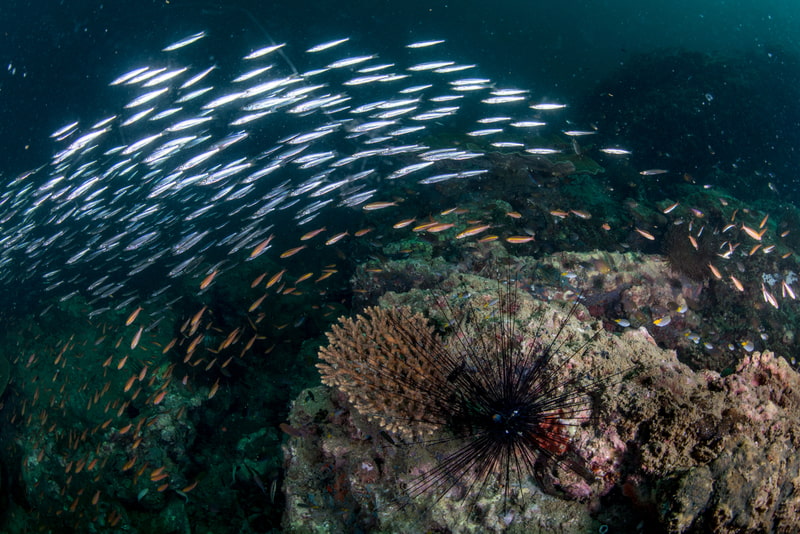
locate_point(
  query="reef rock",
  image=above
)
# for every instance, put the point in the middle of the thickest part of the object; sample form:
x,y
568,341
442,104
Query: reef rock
x,y
672,449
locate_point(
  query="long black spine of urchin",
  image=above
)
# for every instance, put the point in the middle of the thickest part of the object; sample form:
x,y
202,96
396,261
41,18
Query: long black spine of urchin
x,y
501,401
492,400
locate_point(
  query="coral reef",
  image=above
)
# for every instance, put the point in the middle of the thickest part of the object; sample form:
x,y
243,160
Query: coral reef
x,y
672,448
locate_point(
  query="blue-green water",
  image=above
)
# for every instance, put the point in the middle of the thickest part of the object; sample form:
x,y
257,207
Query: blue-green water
x,y
666,130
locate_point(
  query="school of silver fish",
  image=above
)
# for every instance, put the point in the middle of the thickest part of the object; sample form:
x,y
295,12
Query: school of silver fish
x,y
205,163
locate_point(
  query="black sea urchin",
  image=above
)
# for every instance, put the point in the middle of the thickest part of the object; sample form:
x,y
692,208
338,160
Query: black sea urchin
x,y
493,397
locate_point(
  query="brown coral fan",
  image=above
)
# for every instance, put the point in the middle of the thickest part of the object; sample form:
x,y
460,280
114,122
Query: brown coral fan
x,y
381,361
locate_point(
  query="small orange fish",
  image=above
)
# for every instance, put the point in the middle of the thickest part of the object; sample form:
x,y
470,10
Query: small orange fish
x,y
769,297
763,221
129,464
372,206
362,232
561,214
312,234
488,238
136,338
336,238
213,390
646,235
190,487
324,275
160,397
304,277
787,290
752,233
258,280
132,316
275,278
403,223
292,251
208,279
693,241
668,209
257,303
129,383
474,230
261,247
169,345
514,214
517,239
436,228
715,272
736,283
581,213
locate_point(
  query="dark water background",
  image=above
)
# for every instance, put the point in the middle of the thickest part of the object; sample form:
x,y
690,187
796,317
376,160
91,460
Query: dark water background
x,y
56,58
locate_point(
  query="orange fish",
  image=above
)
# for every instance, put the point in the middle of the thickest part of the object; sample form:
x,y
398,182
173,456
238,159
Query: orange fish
x,y
403,223
213,390
129,464
292,251
261,246
474,230
257,303
362,232
275,279
208,279
336,238
436,228
646,235
670,208
129,383
304,277
132,316
786,289
258,280
378,205
581,213
736,283
752,233
160,397
169,345
312,234
516,239
325,275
